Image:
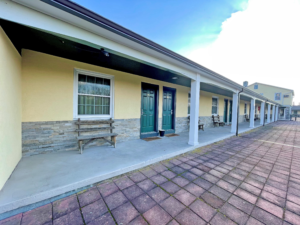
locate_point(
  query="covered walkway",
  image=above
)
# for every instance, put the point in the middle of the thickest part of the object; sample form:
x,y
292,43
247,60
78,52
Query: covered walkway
x,y
253,179
44,176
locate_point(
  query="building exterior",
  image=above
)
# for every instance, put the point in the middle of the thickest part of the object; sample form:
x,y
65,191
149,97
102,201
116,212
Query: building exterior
x,y
283,96
296,110
71,63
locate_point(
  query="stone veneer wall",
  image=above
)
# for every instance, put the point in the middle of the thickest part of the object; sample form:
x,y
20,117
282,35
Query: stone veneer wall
x,y
45,137
182,124
207,120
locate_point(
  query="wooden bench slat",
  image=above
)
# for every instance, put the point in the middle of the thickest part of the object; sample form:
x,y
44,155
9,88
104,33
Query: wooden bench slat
x,y
94,122
86,137
93,129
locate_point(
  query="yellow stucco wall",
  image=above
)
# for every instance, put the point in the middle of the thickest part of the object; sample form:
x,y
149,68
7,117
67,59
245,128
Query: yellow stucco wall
x,y
48,89
205,106
10,108
269,92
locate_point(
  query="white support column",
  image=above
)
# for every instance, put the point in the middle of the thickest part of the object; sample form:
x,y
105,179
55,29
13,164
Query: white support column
x,y
276,115
235,100
252,112
273,113
262,113
194,111
268,115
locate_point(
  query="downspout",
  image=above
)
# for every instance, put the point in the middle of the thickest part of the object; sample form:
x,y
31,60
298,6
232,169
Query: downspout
x,y
238,113
265,112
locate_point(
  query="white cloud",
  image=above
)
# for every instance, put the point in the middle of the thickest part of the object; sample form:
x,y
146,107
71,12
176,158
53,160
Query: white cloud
x,y
259,44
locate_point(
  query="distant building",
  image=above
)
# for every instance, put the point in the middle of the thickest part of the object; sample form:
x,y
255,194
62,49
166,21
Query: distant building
x,y
296,110
283,96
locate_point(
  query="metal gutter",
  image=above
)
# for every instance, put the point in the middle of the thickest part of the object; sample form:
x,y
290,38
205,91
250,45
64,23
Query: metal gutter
x,y
92,17
274,86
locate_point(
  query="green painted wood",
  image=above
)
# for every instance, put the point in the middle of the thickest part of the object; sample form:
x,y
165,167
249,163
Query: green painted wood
x,y
225,110
148,110
230,111
168,110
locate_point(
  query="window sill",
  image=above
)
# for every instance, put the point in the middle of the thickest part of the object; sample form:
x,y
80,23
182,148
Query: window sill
x,y
93,117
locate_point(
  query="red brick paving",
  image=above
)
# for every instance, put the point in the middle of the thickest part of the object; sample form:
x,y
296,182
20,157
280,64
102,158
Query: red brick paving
x,y
239,180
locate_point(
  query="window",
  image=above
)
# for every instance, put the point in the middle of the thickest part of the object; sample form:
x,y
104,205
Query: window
x,y
245,108
255,86
189,104
214,109
93,95
286,96
277,96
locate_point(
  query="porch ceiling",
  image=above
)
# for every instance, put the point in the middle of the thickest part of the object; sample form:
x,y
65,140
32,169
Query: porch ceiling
x,y
215,89
79,50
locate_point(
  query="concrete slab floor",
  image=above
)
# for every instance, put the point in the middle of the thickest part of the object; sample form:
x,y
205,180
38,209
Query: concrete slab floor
x,y
44,176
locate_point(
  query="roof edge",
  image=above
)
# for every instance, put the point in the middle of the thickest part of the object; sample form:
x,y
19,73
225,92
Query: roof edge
x,y
92,17
273,86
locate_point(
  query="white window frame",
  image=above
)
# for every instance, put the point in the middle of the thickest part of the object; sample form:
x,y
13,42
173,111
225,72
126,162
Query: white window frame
x,y
75,95
275,96
217,105
245,108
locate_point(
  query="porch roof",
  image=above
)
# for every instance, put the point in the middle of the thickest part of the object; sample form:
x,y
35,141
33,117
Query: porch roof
x,y
79,16
83,51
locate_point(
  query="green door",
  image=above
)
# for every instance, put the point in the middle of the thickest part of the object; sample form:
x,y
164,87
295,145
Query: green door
x,y
230,111
168,110
225,110
148,113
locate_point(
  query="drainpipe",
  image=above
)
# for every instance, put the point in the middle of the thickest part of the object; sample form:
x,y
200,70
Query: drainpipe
x,y
238,113
265,112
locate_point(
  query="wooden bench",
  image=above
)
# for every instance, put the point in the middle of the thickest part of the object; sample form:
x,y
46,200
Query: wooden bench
x,y
89,138
200,125
216,120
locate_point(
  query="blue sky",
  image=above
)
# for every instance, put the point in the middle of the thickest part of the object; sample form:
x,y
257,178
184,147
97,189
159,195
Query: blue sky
x,y
244,40
177,25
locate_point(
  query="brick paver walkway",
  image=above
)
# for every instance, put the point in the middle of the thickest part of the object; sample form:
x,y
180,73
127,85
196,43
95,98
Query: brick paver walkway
x,y
240,180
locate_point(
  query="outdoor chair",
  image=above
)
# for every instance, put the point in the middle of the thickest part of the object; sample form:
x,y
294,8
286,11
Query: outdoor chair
x,y
200,125
247,118
220,123
216,121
